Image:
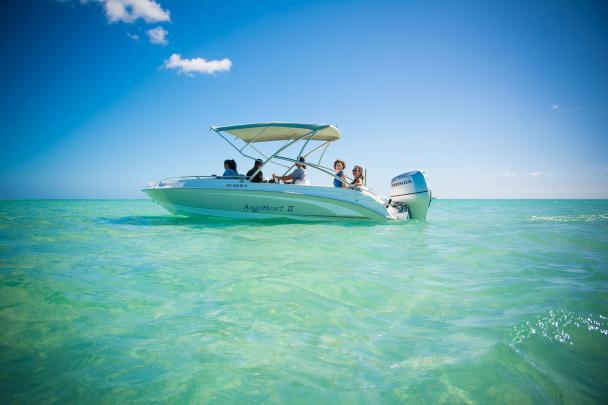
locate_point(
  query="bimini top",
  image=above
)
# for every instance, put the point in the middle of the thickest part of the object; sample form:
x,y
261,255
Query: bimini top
x,y
280,131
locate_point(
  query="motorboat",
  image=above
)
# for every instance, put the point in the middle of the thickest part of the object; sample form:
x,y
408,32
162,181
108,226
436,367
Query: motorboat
x,y
240,197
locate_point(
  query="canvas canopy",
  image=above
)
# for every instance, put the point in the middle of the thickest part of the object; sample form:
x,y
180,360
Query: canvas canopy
x,y
280,131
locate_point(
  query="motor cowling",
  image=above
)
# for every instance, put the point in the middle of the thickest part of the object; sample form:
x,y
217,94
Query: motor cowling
x,y
411,193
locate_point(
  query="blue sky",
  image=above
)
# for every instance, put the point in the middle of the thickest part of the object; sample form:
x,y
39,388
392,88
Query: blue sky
x,y
501,99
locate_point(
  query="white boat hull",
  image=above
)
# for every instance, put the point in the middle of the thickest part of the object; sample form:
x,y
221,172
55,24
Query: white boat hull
x,y
236,198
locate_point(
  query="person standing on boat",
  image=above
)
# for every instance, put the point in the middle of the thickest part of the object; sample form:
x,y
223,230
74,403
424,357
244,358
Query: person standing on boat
x,y
258,177
358,176
339,166
298,176
230,168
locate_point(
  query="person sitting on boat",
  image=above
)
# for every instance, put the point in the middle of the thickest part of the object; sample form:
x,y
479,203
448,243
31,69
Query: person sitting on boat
x,y
339,166
230,168
298,176
258,177
358,176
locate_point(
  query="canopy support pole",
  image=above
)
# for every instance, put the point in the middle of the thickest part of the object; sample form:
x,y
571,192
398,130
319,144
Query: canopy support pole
x,y
231,144
313,132
276,155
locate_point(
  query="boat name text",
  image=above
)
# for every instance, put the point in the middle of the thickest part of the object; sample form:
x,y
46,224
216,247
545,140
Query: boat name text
x,y
267,208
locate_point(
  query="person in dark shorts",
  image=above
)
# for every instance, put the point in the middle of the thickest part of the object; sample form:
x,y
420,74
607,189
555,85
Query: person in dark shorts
x,y
258,177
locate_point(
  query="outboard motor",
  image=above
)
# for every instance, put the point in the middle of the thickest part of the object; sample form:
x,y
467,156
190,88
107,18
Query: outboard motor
x,y
410,195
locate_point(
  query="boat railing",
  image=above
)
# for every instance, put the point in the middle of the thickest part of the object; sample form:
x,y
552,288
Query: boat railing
x,y
213,176
178,178
169,180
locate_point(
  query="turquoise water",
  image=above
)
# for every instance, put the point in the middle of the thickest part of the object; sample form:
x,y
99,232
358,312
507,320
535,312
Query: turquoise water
x,y
485,302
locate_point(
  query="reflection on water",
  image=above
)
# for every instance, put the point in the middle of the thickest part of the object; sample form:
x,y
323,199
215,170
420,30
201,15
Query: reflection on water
x,y
162,220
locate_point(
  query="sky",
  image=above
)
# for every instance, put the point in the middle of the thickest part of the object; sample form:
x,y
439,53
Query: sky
x,y
493,99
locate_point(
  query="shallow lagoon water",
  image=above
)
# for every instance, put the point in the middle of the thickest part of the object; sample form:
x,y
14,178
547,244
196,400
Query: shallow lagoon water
x,y
488,301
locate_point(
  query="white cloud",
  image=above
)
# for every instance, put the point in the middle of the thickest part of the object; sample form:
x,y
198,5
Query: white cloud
x,y
538,173
189,67
555,107
130,10
134,37
158,36
508,174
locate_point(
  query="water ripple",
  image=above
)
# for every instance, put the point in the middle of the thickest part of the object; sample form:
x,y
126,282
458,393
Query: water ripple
x,y
116,301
